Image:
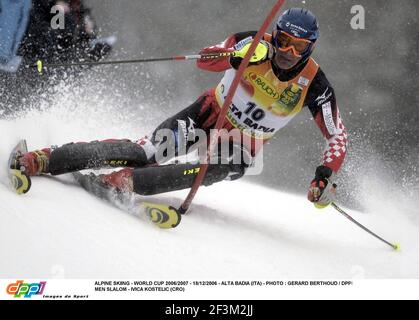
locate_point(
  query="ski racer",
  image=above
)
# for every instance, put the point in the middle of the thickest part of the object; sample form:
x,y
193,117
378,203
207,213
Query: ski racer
x,y
280,81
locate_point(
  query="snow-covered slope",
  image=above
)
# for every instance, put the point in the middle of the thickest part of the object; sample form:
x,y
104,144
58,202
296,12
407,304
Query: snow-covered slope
x,y
234,229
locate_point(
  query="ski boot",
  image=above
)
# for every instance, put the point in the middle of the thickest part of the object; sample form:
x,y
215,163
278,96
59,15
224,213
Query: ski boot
x,y
33,163
114,186
121,180
107,186
23,165
19,179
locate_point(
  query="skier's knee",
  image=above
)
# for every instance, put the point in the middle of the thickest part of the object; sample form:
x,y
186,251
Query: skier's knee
x,y
240,160
236,171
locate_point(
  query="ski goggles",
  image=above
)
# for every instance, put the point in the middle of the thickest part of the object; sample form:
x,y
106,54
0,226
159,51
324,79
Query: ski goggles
x,y
285,42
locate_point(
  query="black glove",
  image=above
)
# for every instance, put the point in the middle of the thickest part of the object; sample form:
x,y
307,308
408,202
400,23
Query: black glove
x,y
100,48
322,190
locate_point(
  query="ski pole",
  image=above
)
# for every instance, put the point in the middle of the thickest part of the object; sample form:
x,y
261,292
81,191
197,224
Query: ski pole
x,y
40,64
395,246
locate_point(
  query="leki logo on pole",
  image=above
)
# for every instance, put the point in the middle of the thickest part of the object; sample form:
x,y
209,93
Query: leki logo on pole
x,y
27,290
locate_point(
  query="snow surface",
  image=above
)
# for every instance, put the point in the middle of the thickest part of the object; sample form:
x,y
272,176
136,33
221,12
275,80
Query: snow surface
x,y
235,230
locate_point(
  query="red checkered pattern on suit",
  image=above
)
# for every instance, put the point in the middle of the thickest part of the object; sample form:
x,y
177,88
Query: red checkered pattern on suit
x,y
335,150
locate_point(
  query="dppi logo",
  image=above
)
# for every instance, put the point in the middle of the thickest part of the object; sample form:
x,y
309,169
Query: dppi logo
x,y
27,290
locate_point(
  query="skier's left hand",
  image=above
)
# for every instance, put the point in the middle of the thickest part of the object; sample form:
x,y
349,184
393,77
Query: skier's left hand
x,y
322,191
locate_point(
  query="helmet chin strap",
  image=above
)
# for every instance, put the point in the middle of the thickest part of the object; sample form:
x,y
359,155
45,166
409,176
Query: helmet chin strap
x,y
287,74
290,69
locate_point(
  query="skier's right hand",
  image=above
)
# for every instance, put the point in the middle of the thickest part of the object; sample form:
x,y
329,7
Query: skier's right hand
x,y
263,52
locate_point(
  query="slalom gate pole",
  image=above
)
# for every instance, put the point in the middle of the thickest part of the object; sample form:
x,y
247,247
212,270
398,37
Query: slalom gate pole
x,y
395,246
41,66
226,105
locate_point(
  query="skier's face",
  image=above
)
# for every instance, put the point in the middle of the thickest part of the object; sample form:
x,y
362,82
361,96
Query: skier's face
x,y
289,49
286,60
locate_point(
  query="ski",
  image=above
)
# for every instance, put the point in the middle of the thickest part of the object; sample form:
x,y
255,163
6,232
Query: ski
x,y
19,180
163,216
